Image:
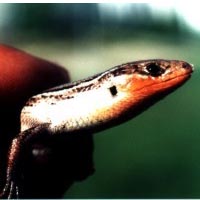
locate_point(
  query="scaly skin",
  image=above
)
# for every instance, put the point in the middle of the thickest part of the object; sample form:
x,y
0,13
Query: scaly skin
x,y
92,105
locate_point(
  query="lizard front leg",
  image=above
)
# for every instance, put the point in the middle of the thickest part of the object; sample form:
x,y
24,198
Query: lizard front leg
x,y
13,187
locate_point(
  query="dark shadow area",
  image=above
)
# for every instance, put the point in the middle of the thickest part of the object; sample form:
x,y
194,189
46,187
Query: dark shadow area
x,y
52,164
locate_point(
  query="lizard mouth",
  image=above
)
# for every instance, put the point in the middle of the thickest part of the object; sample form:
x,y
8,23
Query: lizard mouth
x,y
178,79
169,83
172,82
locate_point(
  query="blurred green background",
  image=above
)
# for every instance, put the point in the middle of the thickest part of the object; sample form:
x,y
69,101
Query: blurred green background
x,y
155,155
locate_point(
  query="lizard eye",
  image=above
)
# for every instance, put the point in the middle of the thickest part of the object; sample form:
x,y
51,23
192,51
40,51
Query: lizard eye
x,y
154,69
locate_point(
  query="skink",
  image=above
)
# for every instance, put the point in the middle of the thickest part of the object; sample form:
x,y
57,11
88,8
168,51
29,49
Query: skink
x,y
93,104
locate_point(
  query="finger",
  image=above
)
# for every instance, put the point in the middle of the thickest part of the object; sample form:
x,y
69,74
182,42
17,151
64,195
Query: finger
x,y
22,75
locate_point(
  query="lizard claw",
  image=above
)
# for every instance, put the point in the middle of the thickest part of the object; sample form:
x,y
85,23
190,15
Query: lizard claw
x,y
10,191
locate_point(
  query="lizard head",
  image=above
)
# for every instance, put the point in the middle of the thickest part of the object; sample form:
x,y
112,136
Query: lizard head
x,y
143,83
154,76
